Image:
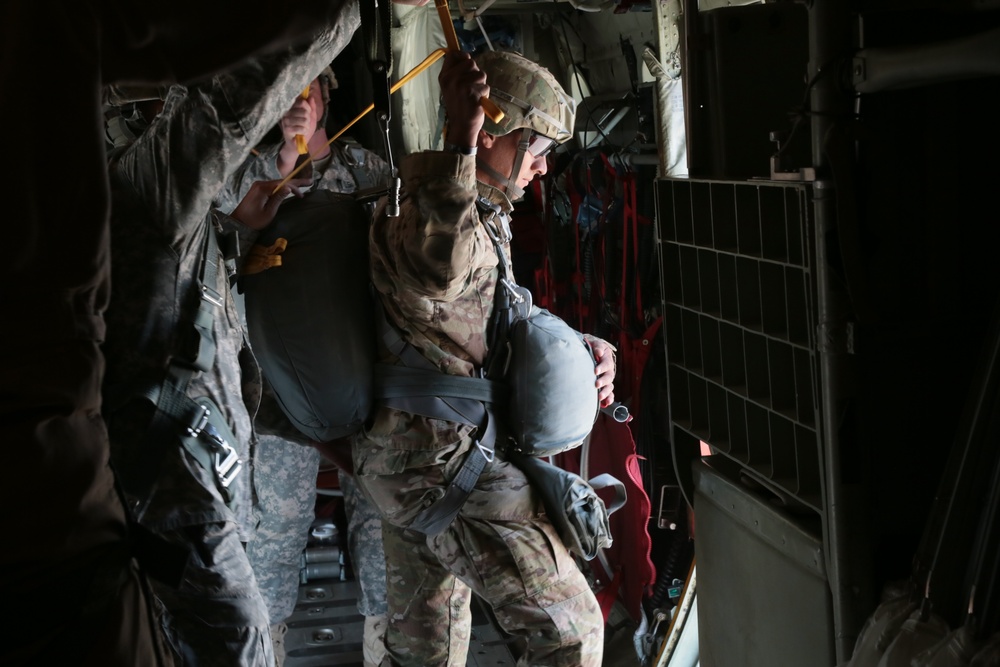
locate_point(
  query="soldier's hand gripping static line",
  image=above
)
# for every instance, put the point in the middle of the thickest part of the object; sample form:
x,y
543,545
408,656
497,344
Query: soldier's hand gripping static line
x,y
463,86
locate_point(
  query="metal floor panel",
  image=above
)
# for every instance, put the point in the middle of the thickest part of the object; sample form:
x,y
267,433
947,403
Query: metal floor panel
x,y
325,629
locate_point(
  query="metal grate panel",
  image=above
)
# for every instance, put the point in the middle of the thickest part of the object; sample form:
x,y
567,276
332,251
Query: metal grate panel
x,y
739,323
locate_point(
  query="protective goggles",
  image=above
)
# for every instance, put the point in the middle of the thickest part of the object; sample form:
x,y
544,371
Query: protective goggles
x,y
539,145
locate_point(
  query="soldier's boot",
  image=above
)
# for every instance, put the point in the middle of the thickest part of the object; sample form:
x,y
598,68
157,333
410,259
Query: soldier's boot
x,y
374,640
278,632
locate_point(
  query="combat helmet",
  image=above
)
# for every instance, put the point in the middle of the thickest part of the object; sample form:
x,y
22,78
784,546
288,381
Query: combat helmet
x,y
529,96
533,101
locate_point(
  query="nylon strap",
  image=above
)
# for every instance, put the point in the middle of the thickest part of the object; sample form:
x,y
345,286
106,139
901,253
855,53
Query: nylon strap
x,y
399,388
179,419
438,516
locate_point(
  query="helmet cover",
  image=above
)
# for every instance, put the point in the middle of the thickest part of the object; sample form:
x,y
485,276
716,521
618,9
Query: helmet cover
x,y
529,95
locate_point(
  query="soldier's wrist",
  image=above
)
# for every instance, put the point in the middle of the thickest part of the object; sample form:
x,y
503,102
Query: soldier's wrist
x,y
461,150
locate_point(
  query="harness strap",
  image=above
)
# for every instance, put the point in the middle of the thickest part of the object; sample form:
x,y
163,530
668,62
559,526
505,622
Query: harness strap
x,y
419,388
198,350
355,163
433,519
198,424
435,395
511,302
397,381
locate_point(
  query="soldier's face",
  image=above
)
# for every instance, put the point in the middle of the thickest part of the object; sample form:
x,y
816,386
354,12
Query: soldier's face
x,y
150,109
500,153
532,166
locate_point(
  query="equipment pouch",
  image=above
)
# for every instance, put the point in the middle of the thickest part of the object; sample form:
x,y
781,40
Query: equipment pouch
x,y
579,515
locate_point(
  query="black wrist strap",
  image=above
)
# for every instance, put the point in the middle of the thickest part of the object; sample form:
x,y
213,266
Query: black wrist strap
x,y
462,150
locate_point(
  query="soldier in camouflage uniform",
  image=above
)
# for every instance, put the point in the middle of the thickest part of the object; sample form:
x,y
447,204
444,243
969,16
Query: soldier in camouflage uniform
x,y
342,167
72,594
162,189
435,270
286,467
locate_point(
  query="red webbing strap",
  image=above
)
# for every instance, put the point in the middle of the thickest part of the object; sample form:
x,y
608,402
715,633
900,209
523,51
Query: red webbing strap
x,y
626,215
544,291
631,218
577,307
639,351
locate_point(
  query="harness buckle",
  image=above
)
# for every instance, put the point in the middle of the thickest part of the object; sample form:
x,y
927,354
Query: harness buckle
x,y
226,461
520,297
488,453
210,295
200,422
227,464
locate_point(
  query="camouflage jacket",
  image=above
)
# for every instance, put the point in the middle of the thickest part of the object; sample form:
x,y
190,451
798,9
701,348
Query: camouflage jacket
x,y
435,270
349,168
162,190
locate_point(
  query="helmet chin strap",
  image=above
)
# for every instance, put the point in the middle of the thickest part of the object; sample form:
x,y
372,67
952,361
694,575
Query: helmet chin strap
x,y
509,182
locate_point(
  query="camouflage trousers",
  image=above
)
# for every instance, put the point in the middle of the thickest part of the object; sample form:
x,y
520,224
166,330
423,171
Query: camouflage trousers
x,y
285,485
502,548
364,543
214,615
285,488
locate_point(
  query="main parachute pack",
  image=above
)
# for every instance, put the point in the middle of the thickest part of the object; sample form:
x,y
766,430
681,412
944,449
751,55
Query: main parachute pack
x,y
310,318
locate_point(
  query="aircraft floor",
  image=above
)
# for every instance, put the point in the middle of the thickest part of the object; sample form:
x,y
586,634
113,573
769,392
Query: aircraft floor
x,y
326,629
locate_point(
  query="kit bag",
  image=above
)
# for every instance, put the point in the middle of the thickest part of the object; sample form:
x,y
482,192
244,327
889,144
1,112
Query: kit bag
x,y
310,319
572,504
553,398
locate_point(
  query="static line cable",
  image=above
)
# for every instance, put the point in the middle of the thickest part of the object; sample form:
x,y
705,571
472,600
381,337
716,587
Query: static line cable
x,y
482,29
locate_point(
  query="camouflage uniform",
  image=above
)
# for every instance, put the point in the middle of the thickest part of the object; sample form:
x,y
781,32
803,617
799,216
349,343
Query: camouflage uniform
x,y
66,540
162,190
287,467
364,542
285,482
435,269
340,173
